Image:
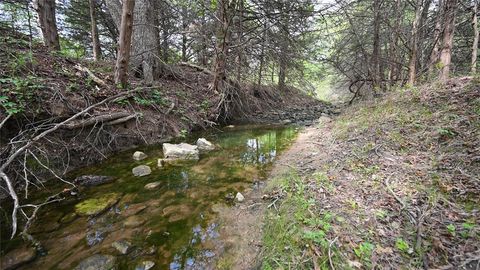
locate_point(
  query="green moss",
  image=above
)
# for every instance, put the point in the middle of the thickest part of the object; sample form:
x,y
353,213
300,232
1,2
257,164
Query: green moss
x,y
92,207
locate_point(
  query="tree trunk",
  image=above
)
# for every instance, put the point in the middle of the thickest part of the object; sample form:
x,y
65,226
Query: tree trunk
x,y
447,39
475,36
394,72
239,41
223,38
48,23
436,38
376,45
184,35
412,64
125,41
97,53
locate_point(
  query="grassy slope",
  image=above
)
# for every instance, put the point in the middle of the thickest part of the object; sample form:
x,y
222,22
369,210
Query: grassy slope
x,y
393,183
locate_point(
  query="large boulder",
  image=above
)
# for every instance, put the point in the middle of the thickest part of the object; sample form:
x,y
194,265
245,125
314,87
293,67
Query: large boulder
x,y
141,170
93,207
204,145
17,257
92,180
180,151
97,262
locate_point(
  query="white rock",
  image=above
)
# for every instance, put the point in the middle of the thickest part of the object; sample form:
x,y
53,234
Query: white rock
x,y
141,170
204,145
145,265
180,151
230,126
153,185
239,197
160,162
139,155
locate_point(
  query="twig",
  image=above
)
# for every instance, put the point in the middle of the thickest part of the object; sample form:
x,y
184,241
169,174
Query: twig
x,y
5,120
329,253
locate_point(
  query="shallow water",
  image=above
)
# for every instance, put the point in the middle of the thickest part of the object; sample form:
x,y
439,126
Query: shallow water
x,y
174,225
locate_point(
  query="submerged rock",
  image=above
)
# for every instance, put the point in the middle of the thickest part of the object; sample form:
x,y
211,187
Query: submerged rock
x,y
93,207
123,246
139,155
153,185
97,262
204,145
17,257
68,218
145,265
239,197
180,151
92,180
141,170
133,209
133,222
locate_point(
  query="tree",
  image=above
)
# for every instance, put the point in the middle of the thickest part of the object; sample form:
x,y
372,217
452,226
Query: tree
x,y
97,53
449,10
48,23
123,55
475,36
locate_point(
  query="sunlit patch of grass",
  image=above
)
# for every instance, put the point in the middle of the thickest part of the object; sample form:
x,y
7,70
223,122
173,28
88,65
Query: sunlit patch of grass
x,y
292,233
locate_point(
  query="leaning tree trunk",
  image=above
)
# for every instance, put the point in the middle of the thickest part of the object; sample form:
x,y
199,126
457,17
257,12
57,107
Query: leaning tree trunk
x,y
447,39
436,39
125,41
97,53
475,37
48,23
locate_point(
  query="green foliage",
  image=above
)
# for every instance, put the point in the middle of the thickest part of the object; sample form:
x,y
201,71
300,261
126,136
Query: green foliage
x,y
364,251
183,133
402,245
451,229
151,99
16,92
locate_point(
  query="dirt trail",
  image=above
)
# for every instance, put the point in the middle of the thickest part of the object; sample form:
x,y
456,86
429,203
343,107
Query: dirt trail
x,y
244,222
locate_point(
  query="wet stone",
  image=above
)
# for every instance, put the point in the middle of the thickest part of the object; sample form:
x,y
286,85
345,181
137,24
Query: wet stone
x,y
239,197
141,170
17,257
153,185
93,207
133,222
145,265
68,218
97,262
204,145
92,180
139,155
133,209
123,246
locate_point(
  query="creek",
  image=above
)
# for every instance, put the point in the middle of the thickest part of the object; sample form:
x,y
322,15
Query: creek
x,y
174,225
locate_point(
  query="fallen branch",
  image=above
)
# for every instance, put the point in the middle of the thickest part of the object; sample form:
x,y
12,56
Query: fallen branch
x,y
199,68
98,119
91,75
123,119
30,142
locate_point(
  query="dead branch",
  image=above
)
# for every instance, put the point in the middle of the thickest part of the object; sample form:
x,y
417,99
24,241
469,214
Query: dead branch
x,y
5,120
123,119
199,68
103,118
91,75
29,143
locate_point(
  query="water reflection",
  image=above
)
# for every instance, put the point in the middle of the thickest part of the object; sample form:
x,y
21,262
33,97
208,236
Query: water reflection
x,y
176,219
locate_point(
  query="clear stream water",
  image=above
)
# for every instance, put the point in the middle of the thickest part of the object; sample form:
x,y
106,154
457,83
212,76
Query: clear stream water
x,y
175,225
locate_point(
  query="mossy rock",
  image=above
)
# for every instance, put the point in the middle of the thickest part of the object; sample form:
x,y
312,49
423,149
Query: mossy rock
x,y
93,207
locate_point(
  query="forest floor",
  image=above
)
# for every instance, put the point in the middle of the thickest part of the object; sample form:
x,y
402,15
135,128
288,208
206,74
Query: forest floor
x,y
388,184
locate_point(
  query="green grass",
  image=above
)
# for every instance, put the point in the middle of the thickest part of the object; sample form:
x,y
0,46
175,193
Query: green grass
x,y
294,230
